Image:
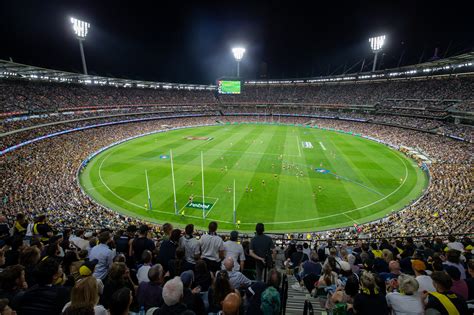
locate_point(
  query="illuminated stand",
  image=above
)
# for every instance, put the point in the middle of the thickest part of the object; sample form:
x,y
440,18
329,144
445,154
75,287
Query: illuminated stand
x,y
376,43
238,55
81,29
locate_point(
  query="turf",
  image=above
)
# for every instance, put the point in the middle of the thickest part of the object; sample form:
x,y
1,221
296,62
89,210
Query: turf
x,y
366,180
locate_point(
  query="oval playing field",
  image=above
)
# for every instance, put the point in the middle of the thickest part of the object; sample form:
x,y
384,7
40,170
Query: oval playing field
x,y
292,178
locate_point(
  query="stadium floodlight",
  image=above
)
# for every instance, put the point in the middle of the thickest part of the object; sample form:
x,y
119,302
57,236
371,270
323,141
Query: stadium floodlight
x,y
81,29
376,43
238,55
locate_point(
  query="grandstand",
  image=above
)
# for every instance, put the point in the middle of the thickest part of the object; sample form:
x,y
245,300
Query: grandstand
x,y
52,121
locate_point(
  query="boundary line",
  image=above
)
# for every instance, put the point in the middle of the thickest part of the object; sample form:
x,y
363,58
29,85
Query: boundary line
x,y
322,145
278,222
298,145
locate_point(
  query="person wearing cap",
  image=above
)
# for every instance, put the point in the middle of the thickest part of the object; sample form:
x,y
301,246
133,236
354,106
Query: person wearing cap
x,y
234,250
424,281
192,298
444,301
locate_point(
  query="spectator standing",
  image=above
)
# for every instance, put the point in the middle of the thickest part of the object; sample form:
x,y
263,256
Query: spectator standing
x,y
168,249
190,245
370,301
103,254
142,272
262,249
212,248
234,250
141,244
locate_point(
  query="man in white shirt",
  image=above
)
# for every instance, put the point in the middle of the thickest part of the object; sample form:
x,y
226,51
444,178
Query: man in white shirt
x,y
425,282
212,248
234,250
190,245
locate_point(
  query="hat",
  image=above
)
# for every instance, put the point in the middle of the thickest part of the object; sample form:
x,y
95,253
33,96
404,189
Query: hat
x,y
345,266
88,267
88,234
418,265
187,278
234,235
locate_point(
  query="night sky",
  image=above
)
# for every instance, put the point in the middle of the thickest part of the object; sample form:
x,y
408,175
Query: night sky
x,y
190,41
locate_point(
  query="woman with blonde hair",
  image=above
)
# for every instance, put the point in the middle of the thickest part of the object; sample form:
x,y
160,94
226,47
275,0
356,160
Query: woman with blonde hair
x,y
85,296
407,300
369,300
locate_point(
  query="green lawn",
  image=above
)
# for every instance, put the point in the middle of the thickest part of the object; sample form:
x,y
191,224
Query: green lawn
x,y
366,181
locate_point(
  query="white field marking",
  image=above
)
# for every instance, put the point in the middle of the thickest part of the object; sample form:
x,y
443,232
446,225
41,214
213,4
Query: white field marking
x,y
351,219
108,188
147,185
207,214
279,222
298,145
181,210
322,145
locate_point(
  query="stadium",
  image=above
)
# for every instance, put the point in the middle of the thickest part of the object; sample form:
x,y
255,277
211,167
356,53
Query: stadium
x,y
369,168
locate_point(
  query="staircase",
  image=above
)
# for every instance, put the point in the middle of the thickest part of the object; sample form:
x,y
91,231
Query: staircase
x,y
296,298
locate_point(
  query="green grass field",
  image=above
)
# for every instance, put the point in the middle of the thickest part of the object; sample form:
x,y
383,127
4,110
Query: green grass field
x,y
366,180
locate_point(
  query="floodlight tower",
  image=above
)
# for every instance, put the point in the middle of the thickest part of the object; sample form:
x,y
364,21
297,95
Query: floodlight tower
x,y
376,43
81,29
238,55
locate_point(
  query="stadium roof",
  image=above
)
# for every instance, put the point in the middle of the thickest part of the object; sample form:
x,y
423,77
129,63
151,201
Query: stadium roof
x,y
11,69
454,65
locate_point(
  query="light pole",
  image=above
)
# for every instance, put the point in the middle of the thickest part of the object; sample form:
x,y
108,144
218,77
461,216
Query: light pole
x,y
81,29
238,55
376,43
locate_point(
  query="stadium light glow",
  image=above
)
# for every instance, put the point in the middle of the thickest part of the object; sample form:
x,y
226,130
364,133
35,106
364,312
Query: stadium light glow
x,y
238,55
376,43
81,29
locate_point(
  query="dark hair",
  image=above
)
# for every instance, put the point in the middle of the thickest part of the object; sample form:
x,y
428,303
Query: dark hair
x,y
119,301
274,278
201,266
189,229
9,276
212,226
30,256
453,256
175,235
453,272
20,216
260,228
221,287
143,229
104,237
68,259
443,279
178,263
147,256
45,271
352,286
451,238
